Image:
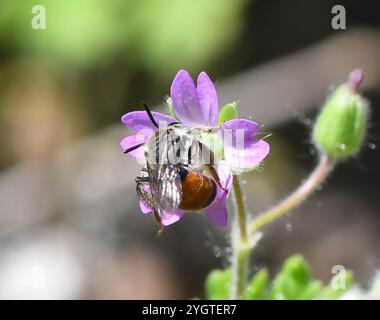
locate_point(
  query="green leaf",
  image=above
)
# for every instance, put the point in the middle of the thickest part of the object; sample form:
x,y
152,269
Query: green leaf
x,y
297,268
311,291
256,288
228,112
338,287
293,282
218,283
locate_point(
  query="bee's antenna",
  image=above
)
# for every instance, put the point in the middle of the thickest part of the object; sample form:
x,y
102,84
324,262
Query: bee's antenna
x,y
134,147
149,113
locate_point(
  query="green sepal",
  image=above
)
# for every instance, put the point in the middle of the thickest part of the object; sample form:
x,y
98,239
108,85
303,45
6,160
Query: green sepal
x,y
169,103
228,112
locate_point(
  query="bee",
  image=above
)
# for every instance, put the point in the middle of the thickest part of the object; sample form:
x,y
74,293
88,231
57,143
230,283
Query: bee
x,y
179,171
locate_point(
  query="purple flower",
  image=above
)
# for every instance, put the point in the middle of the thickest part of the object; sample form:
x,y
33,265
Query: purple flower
x,y
197,106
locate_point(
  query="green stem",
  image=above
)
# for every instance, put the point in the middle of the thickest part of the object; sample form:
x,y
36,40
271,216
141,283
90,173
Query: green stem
x,y
312,183
240,208
240,244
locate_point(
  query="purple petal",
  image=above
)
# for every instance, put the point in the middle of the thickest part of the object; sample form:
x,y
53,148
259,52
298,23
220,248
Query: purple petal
x,y
239,133
134,140
185,100
139,120
218,214
224,173
208,99
248,158
144,207
241,149
355,79
217,211
168,218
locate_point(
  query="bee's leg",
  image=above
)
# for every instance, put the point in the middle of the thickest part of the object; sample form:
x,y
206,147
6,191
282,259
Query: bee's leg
x,y
140,183
141,180
208,159
214,176
146,196
159,222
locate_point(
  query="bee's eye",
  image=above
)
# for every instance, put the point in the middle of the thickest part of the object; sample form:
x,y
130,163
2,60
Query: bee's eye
x,y
182,173
178,152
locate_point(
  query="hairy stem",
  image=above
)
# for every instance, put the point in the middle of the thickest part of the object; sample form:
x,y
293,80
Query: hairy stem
x,y
312,183
240,208
240,244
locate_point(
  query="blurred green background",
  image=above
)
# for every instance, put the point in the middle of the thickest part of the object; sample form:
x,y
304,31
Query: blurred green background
x,y
69,224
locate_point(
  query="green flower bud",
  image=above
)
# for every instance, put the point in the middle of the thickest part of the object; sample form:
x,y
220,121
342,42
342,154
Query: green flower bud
x,y
340,128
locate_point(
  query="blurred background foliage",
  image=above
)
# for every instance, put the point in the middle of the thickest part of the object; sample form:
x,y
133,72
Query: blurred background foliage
x,y
67,200
160,36
104,53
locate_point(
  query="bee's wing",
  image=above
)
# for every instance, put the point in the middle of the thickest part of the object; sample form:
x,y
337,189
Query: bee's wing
x,y
165,186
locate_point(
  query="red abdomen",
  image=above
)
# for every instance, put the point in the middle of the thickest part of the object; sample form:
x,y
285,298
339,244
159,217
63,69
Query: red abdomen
x,y
198,191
